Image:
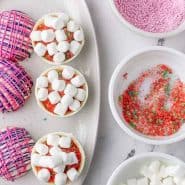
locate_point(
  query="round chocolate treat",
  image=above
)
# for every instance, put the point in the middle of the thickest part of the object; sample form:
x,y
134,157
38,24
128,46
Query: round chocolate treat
x,y
15,86
15,30
15,152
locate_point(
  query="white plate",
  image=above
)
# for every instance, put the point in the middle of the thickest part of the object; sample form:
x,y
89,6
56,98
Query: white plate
x,y
134,64
130,168
83,125
179,29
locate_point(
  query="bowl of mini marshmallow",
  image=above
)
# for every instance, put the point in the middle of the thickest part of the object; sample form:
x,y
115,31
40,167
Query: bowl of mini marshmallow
x,y
149,169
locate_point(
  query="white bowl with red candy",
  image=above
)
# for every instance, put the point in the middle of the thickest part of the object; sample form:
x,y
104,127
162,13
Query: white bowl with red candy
x,y
57,159
57,38
135,112
61,91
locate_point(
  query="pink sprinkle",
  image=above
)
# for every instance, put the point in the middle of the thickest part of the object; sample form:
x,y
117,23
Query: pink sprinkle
x,y
155,16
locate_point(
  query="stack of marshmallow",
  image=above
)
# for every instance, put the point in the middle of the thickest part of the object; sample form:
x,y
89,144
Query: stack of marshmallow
x,y
54,158
54,39
68,81
157,173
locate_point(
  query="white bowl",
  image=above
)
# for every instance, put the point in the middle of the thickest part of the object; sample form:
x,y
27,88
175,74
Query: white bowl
x,y
130,168
134,64
178,30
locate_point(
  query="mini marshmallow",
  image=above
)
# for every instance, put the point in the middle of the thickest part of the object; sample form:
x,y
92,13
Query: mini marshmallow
x,y
58,23
175,171
70,90
162,171
50,161
44,175
66,100
49,19
55,150
48,35
41,148
53,139
52,48
63,46
42,82
65,142
59,57
65,17
58,85
59,169
60,179
60,35
65,157
68,73
131,182
78,81
35,158
35,36
71,159
45,162
72,26
52,75
40,49
178,180
54,97
79,35
155,180
154,166
73,174
81,94
75,106
168,181
74,47
42,94
60,109
143,181
145,172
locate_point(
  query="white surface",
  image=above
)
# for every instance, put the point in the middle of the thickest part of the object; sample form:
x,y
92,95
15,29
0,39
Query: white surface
x,y
84,124
144,60
115,41
179,29
131,168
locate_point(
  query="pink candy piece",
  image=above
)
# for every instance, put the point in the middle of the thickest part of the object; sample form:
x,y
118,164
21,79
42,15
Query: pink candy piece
x,y
15,86
155,16
15,30
15,152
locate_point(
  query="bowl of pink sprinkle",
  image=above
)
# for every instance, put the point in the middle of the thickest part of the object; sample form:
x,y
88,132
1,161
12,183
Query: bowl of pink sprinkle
x,y
153,18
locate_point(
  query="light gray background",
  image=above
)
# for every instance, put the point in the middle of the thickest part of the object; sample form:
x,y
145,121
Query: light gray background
x,y
115,41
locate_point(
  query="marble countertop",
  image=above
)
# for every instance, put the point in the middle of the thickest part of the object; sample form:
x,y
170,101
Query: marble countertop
x,y
115,42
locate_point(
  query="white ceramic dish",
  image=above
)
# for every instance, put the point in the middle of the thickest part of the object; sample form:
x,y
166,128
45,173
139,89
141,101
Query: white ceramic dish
x,y
44,138
134,64
130,168
40,21
40,104
83,125
180,29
